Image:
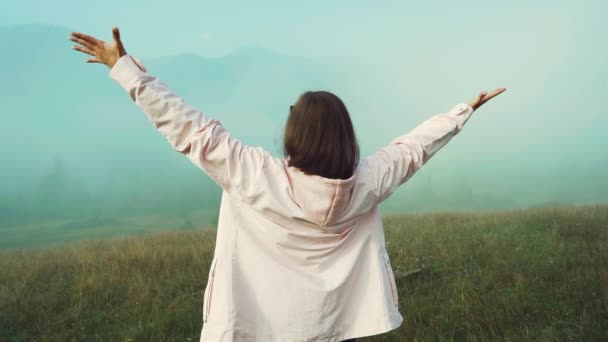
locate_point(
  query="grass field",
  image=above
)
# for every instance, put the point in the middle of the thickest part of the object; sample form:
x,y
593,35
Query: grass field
x,y
59,231
521,275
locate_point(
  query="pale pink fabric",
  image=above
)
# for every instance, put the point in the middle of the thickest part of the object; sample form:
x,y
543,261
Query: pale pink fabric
x,y
298,257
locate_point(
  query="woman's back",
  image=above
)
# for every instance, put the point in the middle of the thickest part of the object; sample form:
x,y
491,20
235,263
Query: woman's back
x,y
300,258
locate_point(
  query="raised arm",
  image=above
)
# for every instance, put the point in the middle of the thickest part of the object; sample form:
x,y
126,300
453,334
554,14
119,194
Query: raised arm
x,y
231,164
188,130
397,162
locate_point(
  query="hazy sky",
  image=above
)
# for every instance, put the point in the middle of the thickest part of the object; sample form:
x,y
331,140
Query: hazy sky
x,y
442,51
317,28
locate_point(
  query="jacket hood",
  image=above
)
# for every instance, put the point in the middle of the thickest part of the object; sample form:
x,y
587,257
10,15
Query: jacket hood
x,y
322,200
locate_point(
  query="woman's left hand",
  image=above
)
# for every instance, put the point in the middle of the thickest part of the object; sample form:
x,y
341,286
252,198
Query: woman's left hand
x,y
484,97
102,52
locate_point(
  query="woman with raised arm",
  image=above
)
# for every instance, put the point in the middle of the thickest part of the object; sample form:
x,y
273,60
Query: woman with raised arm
x,y
300,252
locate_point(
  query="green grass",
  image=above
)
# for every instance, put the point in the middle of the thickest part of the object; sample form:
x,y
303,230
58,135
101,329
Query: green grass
x,y
520,275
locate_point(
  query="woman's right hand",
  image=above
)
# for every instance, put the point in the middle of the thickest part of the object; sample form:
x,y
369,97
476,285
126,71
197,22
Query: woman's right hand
x,y
484,97
103,52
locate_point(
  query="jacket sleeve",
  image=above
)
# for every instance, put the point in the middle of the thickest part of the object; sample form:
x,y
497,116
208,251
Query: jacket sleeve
x,y
231,164
397,162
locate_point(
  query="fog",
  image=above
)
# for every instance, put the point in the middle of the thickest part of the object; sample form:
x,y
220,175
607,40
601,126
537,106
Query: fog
x,y
74,147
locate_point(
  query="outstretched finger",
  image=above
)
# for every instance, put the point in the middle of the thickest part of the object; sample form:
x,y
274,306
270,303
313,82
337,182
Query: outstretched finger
x,y
86,37
93,60
83,42
116,34
84,49
494,93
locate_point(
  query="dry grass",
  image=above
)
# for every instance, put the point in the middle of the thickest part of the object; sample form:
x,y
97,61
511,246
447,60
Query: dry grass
x,y
537,274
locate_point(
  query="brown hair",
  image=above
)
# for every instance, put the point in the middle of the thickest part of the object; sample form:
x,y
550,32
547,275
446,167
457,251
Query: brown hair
x,y
319,137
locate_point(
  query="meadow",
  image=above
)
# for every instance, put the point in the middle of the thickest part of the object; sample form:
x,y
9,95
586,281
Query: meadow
x,y
517,275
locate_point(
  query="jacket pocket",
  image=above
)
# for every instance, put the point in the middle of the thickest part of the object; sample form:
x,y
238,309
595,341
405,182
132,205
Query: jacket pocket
x,y
209,292
391,279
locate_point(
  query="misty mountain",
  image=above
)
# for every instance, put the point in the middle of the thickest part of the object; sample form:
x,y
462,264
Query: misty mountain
x,y
56,107
74,144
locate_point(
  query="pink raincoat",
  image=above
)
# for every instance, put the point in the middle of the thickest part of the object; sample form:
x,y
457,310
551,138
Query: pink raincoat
x,y
298,257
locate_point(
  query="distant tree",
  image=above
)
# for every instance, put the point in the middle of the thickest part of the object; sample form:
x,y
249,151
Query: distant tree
x,y
59,195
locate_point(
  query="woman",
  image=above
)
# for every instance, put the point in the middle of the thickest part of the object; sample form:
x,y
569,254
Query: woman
x,y
300,252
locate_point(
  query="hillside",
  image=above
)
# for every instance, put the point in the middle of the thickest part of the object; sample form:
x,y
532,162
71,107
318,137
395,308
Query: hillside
x,y
536,274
